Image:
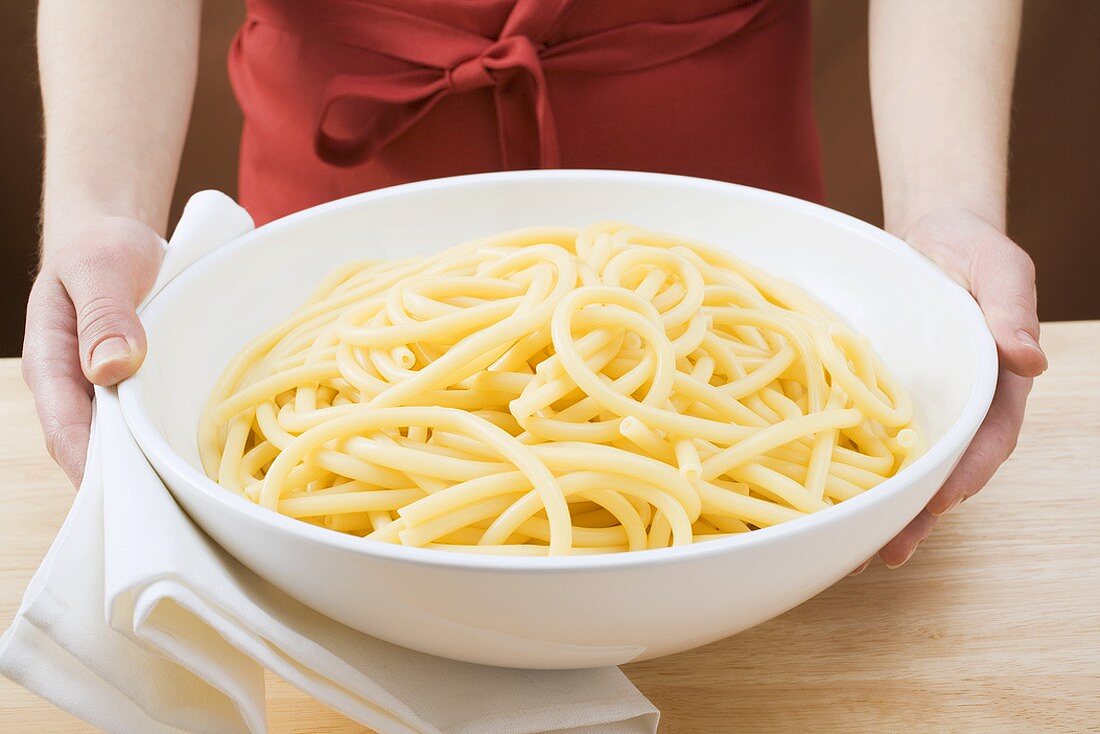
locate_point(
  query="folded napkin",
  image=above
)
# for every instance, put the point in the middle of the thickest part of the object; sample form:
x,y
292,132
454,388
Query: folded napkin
x,y
138,622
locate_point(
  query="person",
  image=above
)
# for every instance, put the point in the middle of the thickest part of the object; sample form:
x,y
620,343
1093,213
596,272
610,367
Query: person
x,y
341,96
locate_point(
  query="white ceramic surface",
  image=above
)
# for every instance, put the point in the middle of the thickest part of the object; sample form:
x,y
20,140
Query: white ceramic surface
x,y
576,611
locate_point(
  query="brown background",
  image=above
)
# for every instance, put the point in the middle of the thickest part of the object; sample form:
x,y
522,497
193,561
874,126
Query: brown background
x,y
1055,151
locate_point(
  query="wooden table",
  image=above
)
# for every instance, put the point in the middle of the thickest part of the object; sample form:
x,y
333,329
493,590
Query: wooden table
x,y
994,626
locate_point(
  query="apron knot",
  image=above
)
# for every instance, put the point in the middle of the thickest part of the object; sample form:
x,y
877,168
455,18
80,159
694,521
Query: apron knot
x,y
497,64
363,113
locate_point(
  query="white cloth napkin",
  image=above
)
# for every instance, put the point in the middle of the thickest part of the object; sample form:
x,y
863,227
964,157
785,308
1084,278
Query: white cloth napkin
x,y
138,622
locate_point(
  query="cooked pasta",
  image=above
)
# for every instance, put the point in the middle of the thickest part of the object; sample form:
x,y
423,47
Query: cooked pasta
x,y
550,391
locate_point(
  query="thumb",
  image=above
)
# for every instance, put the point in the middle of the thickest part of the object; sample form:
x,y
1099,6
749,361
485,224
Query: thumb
x,y
1002,279
105,286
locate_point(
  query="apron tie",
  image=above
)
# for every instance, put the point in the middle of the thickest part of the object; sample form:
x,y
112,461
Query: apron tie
x,y
380,107
360,114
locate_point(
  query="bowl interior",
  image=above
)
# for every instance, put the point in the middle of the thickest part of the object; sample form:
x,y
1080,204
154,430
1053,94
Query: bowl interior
x,y
925,327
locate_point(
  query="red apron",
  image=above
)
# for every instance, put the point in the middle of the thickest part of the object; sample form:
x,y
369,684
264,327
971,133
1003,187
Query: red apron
x,y
343,96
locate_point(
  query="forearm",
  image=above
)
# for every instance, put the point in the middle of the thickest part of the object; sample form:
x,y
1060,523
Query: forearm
x,y
118,78
941,88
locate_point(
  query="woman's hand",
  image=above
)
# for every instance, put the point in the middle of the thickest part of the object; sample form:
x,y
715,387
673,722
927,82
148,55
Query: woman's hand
x,y
1001,277
82,327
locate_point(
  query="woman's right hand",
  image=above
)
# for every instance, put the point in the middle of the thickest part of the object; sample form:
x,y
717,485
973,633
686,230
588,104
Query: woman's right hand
x,y
82,326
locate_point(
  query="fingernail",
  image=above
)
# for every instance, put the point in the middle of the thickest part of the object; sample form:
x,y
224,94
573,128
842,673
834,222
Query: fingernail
x,y
954,503
912,550
114,349
1027,339
905,560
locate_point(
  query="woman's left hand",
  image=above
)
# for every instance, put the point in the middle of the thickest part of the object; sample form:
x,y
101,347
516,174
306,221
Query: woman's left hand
x,y
1001,278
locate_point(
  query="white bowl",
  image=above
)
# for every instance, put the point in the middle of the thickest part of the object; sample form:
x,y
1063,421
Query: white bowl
x,y
581,611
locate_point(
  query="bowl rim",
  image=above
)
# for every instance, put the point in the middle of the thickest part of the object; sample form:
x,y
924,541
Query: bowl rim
x,y
157,450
